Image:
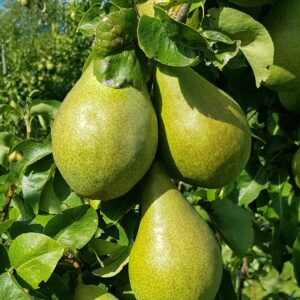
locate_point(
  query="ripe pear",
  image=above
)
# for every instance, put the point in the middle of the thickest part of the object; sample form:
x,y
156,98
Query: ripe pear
x,y
175,255
204,137
283,24
250,3
290,100
104,139
296,167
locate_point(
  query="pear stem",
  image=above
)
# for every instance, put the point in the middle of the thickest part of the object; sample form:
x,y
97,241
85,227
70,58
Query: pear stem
x,y
180,185
9,196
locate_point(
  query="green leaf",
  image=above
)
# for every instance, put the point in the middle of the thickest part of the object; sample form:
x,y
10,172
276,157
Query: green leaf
x,y
113,210
116,63
117,259
93,16
63,192
120,69
6,225
217,36
58,286
168,41
49,201
74,227
34,257
94,292
256,43
123,3
115,33
296,258
20,227
283,206
34,180
250,185
6,108
114,264
234,224
222,49
48,108
103,247
32,151
41,219
10,288
167,4
4,260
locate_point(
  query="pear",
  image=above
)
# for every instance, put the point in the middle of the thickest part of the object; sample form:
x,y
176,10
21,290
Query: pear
x,y
283,24
204,137
290,100
296,167
104,139
175,255
250,3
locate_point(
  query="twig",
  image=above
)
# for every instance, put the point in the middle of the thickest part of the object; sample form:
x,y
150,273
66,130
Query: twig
x,y
242,276
9,196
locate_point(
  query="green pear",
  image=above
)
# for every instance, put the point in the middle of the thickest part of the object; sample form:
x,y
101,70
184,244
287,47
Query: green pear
x,y
104,139
290,101
250,3
296,167
204,137
283,24
175,255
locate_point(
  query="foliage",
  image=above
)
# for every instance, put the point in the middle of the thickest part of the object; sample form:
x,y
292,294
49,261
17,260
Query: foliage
x,y
52,239
42,56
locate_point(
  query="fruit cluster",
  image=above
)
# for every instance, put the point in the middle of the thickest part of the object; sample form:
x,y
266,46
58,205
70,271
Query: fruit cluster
x,y
107,140
104,142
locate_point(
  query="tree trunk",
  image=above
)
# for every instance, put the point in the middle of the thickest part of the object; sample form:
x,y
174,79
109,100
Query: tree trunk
x,y
4,67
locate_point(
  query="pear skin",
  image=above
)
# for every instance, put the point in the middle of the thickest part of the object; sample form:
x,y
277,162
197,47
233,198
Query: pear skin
x,y
175,255
104,139
204,137
283,24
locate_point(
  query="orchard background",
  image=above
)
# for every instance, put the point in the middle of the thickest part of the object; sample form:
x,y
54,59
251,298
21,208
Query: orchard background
x,y
256,217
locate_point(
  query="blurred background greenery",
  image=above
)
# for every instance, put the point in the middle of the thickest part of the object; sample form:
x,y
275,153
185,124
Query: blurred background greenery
x,y
42,56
